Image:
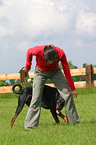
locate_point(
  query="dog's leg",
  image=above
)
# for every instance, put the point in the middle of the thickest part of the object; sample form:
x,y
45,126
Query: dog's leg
x,y
53,112
21,102
63,117
19,108
13,120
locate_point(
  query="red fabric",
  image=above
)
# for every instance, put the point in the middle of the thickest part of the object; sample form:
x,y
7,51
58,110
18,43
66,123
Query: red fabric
x,y
42,63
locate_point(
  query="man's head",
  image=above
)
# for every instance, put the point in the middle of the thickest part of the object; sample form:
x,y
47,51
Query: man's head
x,y
50,53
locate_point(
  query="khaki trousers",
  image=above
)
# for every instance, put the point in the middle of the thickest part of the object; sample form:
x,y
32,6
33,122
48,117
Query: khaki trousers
x,y
59,80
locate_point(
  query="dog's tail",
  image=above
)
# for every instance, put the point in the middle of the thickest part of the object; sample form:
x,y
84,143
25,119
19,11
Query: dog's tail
x,y
13,120
20,89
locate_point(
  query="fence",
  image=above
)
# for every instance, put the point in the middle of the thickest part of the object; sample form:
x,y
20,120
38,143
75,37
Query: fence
x,y
88,71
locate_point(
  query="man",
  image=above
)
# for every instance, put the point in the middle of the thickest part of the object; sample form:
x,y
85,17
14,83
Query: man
x,y
47,58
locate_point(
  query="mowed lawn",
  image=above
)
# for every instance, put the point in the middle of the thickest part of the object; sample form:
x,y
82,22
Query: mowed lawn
x,y
48,132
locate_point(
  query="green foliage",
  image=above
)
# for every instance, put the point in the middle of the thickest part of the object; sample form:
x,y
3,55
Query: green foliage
x,y
84,65
71,66
10,82
26,83
48,133
3,83
79,78
94,77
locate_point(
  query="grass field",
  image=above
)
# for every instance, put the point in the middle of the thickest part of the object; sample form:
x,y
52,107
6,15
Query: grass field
x,y
48,133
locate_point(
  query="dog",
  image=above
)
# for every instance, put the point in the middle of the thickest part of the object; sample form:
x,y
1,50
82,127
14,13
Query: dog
x,y
51,99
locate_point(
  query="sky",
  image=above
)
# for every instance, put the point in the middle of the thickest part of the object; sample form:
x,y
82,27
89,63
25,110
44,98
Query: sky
x,y
67,24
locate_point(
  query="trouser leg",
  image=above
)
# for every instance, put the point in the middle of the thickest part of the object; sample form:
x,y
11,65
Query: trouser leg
x,y
32,118
61,84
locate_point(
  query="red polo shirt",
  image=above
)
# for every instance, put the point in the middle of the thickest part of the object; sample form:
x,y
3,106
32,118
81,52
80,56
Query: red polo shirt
x,y
42,63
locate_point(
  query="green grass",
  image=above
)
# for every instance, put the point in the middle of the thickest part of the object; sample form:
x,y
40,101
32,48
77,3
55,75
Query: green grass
x,y
48,133
88,90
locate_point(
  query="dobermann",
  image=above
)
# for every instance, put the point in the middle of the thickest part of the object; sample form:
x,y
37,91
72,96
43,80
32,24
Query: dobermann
x,y
51,99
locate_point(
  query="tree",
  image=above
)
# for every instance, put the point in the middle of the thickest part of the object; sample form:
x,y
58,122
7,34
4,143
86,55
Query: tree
x,y
71,66
84,65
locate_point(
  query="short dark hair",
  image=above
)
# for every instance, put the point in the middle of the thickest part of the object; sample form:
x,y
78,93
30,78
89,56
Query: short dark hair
x,y
50,53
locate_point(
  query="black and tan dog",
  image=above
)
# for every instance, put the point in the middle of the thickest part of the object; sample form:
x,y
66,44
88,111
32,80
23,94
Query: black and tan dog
x,y
51,99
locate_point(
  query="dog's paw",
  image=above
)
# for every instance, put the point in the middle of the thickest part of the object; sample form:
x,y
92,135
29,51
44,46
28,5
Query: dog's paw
x,y
65,119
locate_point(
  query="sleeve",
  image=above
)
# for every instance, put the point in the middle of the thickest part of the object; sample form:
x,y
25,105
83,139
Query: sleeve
x,y
67,72
29,59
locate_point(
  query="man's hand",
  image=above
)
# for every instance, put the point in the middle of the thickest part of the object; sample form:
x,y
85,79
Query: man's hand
x,y
26,70
75,93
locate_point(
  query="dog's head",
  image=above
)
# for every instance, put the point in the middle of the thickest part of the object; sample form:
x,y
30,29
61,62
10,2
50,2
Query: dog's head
x,y
60,104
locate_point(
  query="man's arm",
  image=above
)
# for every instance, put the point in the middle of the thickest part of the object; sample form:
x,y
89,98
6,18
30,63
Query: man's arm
x,y
28,60
68,75
66,71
